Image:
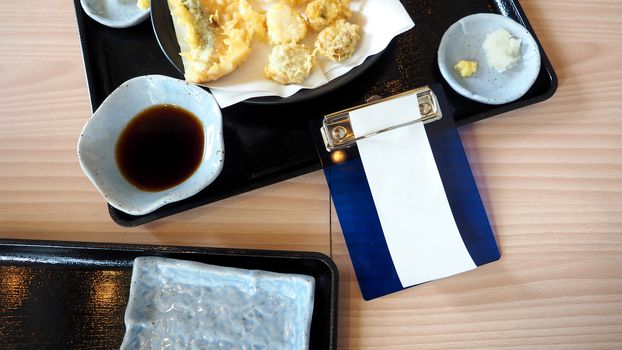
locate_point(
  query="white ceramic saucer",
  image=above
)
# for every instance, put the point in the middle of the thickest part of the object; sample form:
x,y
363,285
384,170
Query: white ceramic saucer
x,y
115,13
463,41
96,146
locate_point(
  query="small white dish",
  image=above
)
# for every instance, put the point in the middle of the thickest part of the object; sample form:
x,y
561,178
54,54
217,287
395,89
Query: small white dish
x,y
97,143
115,13
463,41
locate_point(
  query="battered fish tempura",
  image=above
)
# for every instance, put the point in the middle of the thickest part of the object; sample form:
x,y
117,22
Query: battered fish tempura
x,y
339,40
289,63
322,13
285,25
216,37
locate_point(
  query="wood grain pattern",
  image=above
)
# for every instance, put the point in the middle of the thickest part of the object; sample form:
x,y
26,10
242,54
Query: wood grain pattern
x,y
550,176
44,104
551,179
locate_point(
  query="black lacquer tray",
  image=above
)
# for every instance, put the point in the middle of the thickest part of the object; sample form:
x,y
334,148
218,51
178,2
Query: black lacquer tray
x,y
67,296
266,143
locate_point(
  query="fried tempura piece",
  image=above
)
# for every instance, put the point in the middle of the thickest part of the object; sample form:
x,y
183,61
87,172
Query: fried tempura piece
x,y
255,20
217,38
297,2
285,25
289,63
339,40
292,2
322,13
143,4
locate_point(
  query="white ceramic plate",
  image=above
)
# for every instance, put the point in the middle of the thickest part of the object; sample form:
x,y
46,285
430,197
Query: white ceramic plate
x,y
177,304
115,13
96,146
463,41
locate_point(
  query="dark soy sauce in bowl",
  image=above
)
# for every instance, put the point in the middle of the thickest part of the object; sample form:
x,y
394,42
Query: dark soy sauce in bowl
x,y
160,148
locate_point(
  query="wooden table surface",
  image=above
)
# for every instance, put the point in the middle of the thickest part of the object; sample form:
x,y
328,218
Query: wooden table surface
x,y
550,176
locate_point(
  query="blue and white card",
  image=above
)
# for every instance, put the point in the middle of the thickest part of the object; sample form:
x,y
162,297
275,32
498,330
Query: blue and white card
x,y
407,201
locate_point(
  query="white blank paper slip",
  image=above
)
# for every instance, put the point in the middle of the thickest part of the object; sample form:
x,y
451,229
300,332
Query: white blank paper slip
x,y
416,219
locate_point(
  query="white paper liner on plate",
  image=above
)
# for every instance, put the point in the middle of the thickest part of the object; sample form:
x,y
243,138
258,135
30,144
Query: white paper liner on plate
x,y
380,21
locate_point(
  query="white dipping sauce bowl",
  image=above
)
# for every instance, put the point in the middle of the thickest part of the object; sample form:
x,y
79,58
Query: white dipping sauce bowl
x,y
115,13
463,41
97,143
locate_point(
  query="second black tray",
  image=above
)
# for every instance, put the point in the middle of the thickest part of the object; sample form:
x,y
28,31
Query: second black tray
x,y
265,144
61,295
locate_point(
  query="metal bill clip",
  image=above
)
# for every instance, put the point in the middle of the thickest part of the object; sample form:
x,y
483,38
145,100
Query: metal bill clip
x,y
337,131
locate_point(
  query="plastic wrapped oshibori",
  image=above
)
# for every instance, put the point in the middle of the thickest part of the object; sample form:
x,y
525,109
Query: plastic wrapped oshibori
x,y
199,306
